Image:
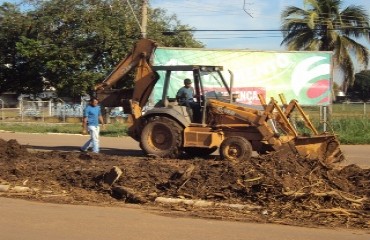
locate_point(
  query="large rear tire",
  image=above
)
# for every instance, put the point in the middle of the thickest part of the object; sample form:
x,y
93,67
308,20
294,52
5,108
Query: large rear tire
x,y
162,137
236,148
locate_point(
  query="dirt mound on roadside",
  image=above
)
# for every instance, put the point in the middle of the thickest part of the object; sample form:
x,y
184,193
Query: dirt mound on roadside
x,y
289,190
12,149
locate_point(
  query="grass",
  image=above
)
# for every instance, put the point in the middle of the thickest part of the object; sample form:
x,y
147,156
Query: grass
x,y
350,122
349,129
352,130
112,130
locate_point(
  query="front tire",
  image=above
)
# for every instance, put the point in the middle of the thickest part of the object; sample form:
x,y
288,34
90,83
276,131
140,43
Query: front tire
x,y
162,137
236,149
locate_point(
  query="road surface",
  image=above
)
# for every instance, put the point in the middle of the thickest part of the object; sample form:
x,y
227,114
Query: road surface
x,y
22,219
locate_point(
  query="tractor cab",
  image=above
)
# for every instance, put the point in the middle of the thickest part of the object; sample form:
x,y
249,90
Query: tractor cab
x,y
207,83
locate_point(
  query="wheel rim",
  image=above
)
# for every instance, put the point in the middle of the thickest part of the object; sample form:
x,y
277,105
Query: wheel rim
x,y
233,151
161,137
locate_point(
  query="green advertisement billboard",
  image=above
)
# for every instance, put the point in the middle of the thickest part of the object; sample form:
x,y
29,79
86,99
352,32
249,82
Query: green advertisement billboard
x,y
305,76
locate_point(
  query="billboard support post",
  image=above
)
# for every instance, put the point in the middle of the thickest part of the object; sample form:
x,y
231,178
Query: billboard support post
x,y
324,117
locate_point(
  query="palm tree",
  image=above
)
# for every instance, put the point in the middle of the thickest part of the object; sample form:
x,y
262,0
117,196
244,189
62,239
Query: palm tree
x,y
323,26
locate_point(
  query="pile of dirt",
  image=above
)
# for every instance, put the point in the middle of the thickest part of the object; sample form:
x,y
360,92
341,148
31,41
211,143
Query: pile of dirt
x,y
289,190
11,149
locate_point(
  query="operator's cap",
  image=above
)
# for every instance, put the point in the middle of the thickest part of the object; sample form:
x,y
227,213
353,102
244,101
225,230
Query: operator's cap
x,y
187,81
93,98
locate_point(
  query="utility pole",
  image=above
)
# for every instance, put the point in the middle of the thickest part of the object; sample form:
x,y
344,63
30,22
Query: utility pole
x,y
144,18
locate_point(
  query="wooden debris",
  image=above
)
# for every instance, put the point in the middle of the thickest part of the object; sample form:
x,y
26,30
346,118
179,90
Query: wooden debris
x,y
112,176
204,203
128,194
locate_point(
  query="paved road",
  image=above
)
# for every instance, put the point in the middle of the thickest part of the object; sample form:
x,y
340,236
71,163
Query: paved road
x,y
33,220
37,221
355,154
72,142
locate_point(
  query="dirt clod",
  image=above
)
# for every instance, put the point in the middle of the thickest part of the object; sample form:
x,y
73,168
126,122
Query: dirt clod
x,y
293,190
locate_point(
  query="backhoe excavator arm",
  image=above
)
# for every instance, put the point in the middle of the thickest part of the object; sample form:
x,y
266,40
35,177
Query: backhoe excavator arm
x,y
145,78
143,50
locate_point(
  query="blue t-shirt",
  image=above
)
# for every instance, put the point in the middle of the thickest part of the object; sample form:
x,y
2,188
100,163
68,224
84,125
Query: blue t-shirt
x,y
185,95
92,114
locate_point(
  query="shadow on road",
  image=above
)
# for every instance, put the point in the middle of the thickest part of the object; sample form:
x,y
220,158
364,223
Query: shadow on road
x,y
108,151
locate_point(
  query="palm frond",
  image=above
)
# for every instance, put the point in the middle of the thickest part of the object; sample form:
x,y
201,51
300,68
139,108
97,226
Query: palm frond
x,y
292,11
321,25
360,51
343,59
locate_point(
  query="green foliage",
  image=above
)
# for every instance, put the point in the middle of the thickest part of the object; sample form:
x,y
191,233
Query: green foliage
x,y
113,130
160,22
323,26
73,44
41,127
352,130
361,88
18,73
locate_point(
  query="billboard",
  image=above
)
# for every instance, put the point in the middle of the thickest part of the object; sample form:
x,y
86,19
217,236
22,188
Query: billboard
x,y
305,76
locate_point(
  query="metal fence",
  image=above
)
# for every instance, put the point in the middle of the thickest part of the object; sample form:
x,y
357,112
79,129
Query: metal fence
x,y
61,111
48,109
339,111
55,111
352,109
323,117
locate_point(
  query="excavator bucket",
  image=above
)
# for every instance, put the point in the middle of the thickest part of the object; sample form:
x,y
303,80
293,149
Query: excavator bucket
x,y
323,147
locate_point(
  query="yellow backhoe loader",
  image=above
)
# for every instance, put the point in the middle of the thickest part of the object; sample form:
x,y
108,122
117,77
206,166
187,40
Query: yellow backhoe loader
x,y
168,129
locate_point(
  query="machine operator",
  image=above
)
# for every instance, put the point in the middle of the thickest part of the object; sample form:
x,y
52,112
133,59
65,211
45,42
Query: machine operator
x,y
185,96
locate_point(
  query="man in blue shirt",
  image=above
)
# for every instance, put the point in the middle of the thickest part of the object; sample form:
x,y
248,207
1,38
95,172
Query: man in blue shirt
x,y
90,123
185,96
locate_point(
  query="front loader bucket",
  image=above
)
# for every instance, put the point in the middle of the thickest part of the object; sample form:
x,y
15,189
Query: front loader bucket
x,y
320,147
324,148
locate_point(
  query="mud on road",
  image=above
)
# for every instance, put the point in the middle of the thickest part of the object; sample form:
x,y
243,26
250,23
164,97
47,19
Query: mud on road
x,y
270,189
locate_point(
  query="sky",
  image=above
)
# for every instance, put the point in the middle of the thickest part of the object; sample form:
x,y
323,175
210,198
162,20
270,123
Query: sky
x,y
237,15
234,15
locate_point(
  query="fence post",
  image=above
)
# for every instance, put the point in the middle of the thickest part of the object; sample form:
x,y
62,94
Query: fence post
x,y
325,117
21,108
64,110
49,108
2,109
43,110
364,109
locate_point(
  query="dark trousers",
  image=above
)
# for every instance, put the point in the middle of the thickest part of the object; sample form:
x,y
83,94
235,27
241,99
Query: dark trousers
x,y
197,116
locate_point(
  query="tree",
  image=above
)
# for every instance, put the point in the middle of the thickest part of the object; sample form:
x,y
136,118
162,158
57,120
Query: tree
x,y
323,26
361,88
18,72
74,44
159,22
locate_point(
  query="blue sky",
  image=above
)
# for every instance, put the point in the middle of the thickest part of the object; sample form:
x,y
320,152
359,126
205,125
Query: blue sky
x,y
234,14
231,14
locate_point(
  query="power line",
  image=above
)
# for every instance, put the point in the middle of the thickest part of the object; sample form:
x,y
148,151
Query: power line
x,y
255,30
210,38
